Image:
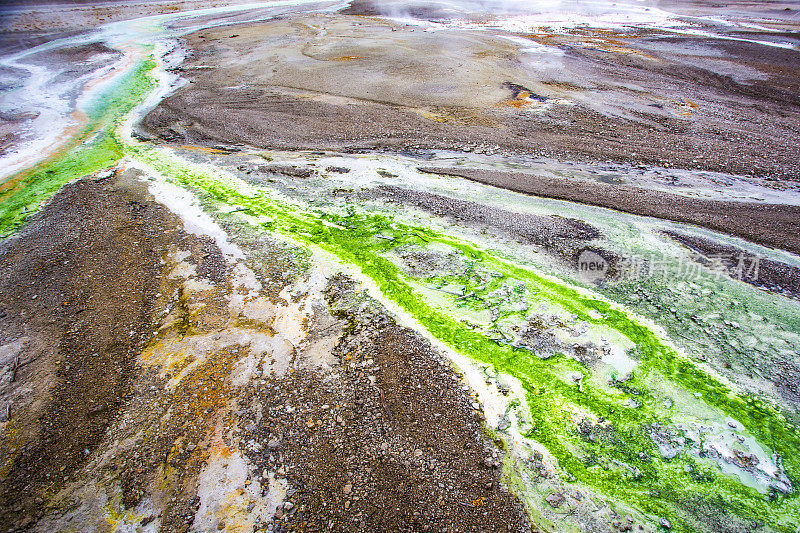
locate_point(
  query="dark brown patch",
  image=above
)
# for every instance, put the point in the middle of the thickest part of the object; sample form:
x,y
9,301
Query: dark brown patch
x,y
80,283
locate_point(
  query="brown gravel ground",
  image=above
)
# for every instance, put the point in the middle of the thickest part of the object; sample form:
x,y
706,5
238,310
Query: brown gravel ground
x,y
77,288
562,237
267,118
389,442
242,92
385,439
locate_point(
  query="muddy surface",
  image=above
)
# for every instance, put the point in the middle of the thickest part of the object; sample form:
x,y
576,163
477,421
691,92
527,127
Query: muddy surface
x,y
67,69
771,225
359,82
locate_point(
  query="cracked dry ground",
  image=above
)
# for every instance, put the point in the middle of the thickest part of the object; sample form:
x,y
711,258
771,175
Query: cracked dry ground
x,y
154,382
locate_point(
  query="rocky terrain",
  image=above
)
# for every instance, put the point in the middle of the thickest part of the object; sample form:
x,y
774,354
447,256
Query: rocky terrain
x,y
399,266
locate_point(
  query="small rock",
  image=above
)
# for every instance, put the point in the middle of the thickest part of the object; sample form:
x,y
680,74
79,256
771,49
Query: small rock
x,y
347,489
665,523
338,170
555,499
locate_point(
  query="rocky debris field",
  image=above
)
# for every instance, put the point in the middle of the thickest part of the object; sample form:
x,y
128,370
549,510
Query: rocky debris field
x,y
399,266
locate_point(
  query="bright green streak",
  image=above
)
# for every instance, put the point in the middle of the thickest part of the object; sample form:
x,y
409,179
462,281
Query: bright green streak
x,y
84,155
352,238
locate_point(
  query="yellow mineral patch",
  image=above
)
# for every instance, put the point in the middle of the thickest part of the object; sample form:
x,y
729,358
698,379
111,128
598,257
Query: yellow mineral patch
x,y
259,310
433,116
119,520
686,108
597,38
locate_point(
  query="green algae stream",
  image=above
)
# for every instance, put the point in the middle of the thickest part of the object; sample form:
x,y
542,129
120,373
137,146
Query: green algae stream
x,y
632,470
623,465
94,148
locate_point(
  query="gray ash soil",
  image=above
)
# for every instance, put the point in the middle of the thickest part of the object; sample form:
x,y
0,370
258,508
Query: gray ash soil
x,y
78,293
389,442
563,237
339,90
78,59
768,224
552,231
205,114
